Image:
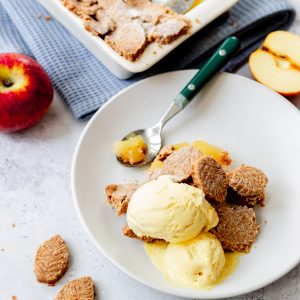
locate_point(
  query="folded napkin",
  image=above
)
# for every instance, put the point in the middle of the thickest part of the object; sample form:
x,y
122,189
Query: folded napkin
x,y
85,84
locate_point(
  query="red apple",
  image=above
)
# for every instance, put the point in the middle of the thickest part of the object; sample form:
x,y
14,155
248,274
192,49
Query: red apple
x,y
26,92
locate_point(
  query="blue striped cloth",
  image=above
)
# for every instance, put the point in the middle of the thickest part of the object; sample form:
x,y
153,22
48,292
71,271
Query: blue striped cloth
x,y
85,84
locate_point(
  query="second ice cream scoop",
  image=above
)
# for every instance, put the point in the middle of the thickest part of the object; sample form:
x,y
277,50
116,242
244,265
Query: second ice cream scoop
x,y
198,263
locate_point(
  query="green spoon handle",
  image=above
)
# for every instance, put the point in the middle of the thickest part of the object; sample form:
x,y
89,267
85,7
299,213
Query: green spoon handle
x,y
214,64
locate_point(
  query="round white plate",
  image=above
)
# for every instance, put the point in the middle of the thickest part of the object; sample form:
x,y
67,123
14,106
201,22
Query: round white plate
x,y
257,127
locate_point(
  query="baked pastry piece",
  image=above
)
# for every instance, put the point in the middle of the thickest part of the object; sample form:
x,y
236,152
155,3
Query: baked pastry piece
x,y
128,40
128,26
246,186
96,27
179,164
129,233
209,176
84,9
51,260
168,29
247,180
250,201
237,228
118,195
81,289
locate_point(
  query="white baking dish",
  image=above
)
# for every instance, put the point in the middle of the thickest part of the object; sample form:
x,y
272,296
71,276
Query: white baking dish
x,y
200,16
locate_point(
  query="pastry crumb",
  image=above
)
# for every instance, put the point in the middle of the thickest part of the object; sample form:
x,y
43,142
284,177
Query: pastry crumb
x,y
14,298
48,18
13,225
231,23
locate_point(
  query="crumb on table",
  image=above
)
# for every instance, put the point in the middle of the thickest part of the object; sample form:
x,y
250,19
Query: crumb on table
x,y
231,23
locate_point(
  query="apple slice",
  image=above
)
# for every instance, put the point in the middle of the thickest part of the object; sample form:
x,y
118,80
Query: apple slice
x,y
284,44
275,73
277,63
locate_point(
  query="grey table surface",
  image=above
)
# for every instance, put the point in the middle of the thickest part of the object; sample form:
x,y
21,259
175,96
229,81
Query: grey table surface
x,y
36,203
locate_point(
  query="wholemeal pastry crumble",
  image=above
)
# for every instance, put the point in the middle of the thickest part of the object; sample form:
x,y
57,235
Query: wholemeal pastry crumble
x,y
128,26
185,186
188,165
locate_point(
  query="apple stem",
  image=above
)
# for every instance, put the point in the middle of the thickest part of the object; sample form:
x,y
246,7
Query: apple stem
x,y
7,83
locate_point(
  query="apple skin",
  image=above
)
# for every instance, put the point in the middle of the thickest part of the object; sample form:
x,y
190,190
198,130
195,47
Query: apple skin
x,y
26,92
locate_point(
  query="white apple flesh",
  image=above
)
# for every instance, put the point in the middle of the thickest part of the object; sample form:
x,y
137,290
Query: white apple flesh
x,y
284,44
275,73
277,63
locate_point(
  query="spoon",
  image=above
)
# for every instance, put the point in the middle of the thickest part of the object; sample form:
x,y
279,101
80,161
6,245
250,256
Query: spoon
x,y
177,5
152,135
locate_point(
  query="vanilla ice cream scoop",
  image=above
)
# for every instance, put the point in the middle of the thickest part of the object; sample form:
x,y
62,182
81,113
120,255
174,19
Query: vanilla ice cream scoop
x,y
174,212
196,263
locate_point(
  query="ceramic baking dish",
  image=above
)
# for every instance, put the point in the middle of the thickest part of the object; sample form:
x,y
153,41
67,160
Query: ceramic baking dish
x,y
201,15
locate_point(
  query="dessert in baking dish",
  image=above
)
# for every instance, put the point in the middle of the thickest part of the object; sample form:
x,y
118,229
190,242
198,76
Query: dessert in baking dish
x,y
128,26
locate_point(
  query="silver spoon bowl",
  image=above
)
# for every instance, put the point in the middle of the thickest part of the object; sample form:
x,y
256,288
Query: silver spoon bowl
x,y
179,6
152,135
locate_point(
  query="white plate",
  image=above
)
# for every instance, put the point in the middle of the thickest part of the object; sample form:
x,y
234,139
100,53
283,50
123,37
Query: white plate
x,y
257,127
200,16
